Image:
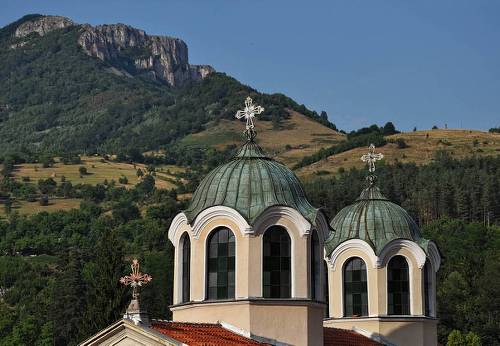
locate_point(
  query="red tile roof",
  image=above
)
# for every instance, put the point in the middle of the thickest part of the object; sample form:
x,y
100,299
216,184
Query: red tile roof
x,y
201,334
344,337
214,334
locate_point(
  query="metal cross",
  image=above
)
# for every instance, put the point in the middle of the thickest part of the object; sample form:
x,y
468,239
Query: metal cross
x,y
135,279
371,158
249,113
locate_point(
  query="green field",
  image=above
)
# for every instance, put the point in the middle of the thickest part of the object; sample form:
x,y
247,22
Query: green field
x,y
422,146
55,204
98,170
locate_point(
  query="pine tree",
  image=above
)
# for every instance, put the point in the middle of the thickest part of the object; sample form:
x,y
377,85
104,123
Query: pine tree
x,y
69,301
106,298
462,202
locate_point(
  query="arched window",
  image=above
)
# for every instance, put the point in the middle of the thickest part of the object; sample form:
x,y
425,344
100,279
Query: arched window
x,y
277,263
186,267
326,289
221,264
428,289
398,286
315,267
355,288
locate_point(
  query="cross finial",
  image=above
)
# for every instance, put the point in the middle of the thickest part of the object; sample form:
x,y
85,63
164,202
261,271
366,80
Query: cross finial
x,y
370,159
249,113
135,279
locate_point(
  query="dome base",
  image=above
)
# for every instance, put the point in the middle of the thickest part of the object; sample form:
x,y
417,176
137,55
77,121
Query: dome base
x,y
288,321
391,330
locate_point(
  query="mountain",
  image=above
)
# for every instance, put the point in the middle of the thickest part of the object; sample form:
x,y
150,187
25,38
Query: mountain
x,y
130,50
74,87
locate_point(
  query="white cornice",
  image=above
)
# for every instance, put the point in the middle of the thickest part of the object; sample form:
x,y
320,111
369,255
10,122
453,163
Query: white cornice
x,y
353,244
393,246
322,226
434,255
178,221
268,217
216,212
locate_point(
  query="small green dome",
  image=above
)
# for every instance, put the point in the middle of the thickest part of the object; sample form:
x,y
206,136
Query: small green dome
x,y
250,183
374,219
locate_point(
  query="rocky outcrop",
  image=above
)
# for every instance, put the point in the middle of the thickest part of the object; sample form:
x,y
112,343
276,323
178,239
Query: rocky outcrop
x,y
42,25
161,57
123,47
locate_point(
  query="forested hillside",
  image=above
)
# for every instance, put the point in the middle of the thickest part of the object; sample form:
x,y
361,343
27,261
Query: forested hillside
x,y
59,276
54,97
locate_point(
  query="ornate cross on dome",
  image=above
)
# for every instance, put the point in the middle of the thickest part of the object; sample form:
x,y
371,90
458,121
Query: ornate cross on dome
x,y
371,158
249,113
135,279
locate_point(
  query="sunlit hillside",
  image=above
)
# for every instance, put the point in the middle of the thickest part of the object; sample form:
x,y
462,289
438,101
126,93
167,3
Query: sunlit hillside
x,y
297,137
422,146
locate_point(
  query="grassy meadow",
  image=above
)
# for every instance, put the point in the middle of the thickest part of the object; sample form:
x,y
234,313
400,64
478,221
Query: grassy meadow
x,y
422,146
298,136
98,170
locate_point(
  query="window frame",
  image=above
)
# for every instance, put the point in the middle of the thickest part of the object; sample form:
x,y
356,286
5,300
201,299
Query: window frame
x,y
185,274
364,305
315,267
268,291
405,308
428,283
230,261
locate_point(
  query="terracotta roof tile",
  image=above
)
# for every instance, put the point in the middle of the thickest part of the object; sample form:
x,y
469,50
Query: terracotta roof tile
x,y
344,337
213,334
201,334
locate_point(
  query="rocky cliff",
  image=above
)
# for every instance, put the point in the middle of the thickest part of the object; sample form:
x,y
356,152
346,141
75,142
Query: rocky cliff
x,y
158,57
42,25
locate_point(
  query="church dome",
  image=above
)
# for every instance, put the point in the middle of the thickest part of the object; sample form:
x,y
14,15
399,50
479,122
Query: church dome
x,y
250,183
374,219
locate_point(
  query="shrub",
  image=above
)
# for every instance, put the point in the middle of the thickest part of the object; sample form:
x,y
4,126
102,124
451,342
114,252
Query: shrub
x,y
401,143
44,200
82,170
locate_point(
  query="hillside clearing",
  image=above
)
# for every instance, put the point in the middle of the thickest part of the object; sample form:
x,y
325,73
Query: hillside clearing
x,y
98,170
422,146
298,136
55,204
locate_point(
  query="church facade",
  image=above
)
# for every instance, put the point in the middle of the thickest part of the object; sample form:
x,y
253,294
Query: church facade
x,y
255,258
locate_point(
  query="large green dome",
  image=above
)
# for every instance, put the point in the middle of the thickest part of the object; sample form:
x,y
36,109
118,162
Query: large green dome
x,y
374,219
250,183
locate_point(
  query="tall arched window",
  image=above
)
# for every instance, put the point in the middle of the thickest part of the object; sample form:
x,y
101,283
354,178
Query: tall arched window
x,y
326,289
186,267
398,286
428,289
355,288
277,277
221,264
315,267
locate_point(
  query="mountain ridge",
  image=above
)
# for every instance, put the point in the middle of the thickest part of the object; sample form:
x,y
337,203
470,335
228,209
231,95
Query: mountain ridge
x,y
56,97
161,58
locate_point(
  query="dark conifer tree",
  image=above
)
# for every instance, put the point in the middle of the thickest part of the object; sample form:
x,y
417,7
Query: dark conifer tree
x,y
69,301
106,297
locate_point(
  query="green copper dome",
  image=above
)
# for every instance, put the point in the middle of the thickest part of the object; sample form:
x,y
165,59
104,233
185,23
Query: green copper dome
x,y
250,183
374,219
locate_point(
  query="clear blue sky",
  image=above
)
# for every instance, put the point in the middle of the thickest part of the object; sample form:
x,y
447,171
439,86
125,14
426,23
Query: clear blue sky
x,y
416,63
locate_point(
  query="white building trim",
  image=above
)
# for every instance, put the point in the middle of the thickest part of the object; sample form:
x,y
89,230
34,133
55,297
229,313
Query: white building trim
x,y
218,213
270,216
394,246
434,256
353,244
176,224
